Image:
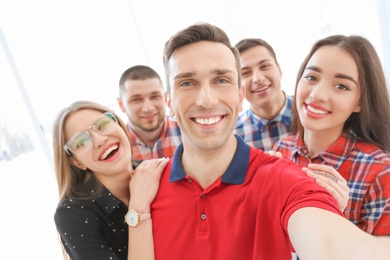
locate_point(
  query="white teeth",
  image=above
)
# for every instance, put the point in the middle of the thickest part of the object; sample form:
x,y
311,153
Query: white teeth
x,y
317,111
207,121
109,150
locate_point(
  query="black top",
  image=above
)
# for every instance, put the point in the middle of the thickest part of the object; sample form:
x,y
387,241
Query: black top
x,y
93,229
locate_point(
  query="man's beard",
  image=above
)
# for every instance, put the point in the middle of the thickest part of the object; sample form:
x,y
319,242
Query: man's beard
x,y
150,128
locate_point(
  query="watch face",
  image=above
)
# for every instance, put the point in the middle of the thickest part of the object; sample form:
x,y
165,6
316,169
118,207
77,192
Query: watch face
x,y
132,218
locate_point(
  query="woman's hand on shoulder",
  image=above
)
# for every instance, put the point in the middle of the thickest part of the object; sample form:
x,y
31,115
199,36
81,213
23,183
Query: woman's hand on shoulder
x,y
145,182
331,180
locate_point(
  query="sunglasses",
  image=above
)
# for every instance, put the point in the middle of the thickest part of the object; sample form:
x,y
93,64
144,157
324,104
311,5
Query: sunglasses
x,y
82,142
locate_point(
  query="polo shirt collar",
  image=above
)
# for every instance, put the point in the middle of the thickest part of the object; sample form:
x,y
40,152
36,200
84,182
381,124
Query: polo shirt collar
x,y
235,173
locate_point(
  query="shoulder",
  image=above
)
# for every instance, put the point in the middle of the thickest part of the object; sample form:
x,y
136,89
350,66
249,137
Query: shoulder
x,y
74,206
371,152
288,142
172,128
171,121
244,118
261,161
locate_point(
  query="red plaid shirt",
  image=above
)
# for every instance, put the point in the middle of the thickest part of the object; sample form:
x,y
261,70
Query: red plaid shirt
x,y
165,146
367,170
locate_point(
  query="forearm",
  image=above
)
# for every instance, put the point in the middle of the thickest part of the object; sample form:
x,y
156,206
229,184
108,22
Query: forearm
x,y
375,248
141,241
320,234
141,245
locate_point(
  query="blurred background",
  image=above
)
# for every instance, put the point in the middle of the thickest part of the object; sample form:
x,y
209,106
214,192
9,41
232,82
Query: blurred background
x,y
53,52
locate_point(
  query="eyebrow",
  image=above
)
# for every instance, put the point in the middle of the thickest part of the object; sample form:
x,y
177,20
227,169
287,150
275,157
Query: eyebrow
x,y
193,73
184,75
337,75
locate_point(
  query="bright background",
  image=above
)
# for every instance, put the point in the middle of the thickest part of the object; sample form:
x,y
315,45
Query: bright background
x,y
53,52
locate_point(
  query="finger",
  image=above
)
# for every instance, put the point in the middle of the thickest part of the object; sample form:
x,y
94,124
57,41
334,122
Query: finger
x,y
340,190
328,169
339,197
278,154
321,173
339,187
325,168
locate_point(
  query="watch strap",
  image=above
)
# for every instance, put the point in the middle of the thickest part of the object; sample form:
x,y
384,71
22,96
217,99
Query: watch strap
x,y
144,216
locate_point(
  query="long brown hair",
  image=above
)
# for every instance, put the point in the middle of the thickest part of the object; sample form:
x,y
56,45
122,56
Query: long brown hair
x,y
372,123
68,176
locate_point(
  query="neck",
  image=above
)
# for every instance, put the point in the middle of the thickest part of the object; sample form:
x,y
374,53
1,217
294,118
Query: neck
x,y
271,109
118,185
206,166
149,138
318,141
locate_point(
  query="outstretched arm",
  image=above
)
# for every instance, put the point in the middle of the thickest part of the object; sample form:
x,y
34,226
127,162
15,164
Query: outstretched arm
x,y
143,189
320,234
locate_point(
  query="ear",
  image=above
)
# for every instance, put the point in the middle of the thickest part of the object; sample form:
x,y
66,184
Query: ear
x,y
169,104
165,97
357,108
280,70
77,163
242,91
120,103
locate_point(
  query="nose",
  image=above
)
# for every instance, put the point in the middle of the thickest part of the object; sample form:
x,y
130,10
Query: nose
x,y
258,76
98,139
206,97
147,105
320,92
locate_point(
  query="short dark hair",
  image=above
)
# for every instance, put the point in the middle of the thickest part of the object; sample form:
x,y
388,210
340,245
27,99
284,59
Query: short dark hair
x,y
248,43
196,33
137,72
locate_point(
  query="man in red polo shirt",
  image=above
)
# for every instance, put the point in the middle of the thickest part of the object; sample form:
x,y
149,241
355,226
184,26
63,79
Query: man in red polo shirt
x,y
222,199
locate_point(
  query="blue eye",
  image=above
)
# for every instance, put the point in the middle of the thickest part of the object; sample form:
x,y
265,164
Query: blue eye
x,y
223,81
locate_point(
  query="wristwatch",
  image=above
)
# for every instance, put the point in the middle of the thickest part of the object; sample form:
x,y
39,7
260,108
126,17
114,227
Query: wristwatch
x,y
133,218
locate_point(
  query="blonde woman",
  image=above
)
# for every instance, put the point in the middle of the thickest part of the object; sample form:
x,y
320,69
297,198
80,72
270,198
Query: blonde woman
x,y
92,156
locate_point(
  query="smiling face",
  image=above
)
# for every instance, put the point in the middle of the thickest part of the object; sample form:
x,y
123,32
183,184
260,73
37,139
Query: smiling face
x,y
144,103
261,76
108,153
328,91
205,95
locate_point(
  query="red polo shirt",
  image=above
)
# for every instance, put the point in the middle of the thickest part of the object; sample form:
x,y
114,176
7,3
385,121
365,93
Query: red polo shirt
x,y
242,215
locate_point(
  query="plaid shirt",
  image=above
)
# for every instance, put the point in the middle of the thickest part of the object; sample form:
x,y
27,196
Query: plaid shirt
x,y
263,133
165,146
367,170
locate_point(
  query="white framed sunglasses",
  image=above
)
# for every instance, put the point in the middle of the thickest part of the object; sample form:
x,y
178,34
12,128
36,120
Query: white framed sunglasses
x,y
82,142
